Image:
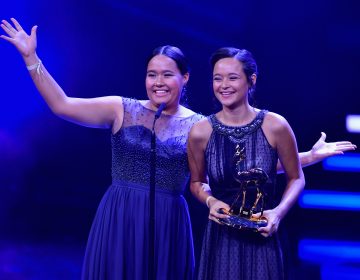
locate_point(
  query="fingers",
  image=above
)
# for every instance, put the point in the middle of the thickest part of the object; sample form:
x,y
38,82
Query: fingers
x,y
342,143
215,219
7,27
214,213
7,38
345,144
17,24
323,136
33,31
264,233
267,231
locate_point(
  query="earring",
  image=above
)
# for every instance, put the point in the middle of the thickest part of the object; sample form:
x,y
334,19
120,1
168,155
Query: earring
x,y
184,90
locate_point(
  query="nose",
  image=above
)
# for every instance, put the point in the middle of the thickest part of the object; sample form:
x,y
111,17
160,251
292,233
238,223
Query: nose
x,y
159,81
224,83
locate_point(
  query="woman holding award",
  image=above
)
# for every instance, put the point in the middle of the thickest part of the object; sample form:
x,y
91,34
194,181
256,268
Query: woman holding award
x,y
235,152
117,247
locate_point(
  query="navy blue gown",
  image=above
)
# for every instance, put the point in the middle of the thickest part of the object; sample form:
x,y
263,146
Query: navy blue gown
x,y
117,246
229,253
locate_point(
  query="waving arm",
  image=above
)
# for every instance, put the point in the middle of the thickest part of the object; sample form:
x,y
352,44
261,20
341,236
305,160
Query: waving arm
x,y
101,112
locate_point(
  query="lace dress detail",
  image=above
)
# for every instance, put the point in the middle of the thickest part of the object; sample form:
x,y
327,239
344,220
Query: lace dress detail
x,y
118,242
229,253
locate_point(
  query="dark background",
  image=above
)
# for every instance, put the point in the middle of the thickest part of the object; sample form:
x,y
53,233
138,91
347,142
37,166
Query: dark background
x,y
54,173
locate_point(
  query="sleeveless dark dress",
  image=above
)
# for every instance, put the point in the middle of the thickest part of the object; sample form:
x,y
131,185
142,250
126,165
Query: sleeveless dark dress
x,y
229,253
117,246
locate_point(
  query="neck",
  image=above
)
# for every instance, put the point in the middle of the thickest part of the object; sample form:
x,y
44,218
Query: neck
x,y
169,110
238,116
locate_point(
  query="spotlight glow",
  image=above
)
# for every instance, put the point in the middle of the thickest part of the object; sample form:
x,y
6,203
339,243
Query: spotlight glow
x,y
330,200
323,251
353,123
349,162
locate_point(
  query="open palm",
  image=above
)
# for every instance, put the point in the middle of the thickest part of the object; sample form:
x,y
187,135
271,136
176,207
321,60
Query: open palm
x,y
25,44
323,149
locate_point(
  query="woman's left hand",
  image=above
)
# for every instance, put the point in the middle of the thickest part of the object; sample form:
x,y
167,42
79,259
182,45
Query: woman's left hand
x,y
322,149
273,221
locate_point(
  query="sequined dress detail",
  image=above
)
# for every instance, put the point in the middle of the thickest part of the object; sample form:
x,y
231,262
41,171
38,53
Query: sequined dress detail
x,y
229,253
118,242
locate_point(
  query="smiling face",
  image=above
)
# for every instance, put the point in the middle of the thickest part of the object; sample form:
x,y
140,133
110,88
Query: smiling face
x,y
164,82
230,83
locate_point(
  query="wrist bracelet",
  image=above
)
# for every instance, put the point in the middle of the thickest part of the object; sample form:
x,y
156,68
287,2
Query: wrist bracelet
x,y
36,66
207,200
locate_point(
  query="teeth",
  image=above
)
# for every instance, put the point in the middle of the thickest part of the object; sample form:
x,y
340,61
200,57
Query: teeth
x,y
160,91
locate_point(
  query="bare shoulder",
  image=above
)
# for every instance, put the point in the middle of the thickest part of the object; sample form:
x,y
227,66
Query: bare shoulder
x,y
201,130
274,122
275,127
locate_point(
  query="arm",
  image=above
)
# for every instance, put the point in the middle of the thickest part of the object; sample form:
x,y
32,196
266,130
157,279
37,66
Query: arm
x,y
198,138
320,151
102,112
282,137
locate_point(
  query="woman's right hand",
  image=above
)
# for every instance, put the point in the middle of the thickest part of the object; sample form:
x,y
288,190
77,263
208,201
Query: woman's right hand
x,y
25,44
214,206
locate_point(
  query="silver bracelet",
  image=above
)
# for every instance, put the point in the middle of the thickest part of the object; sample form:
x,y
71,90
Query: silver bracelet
x,y
207,200
36,66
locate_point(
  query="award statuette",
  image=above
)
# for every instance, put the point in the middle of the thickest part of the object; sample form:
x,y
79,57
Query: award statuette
x,y
251,183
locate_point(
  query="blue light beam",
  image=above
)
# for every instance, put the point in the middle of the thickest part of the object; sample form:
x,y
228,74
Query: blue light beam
x,y
329,251
349,162
353,123
330,200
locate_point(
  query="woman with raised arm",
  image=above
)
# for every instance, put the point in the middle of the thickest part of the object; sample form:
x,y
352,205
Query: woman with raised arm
x,y
117,244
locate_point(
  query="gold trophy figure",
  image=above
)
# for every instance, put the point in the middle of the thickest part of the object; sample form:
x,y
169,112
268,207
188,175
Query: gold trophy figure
x,y
251,188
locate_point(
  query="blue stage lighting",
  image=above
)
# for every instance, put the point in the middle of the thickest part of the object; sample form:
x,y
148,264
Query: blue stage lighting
x,y
349,162
330,200
340,271
329,251
353,123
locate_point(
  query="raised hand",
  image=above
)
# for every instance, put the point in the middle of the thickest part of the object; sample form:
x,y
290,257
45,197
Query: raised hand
x,y
322,149
25,44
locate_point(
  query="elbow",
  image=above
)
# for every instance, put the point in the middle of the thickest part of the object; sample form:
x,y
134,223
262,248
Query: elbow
x,y
301,181
60,108
57,110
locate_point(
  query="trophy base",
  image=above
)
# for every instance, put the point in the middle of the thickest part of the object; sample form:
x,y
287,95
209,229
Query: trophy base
x,y
239,222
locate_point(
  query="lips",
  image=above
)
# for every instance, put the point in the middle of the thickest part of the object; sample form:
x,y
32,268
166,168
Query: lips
x,y
226,93
161,92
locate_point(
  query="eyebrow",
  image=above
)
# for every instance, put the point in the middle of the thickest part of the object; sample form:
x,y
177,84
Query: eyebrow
x,y
164,71
217,74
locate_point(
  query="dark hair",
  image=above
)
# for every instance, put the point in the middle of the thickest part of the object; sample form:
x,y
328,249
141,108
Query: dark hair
x,y
181,62
244,56
175,54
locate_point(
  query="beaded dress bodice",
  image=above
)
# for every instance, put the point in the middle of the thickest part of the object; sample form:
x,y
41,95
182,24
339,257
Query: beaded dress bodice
x,y
131,147
222,145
